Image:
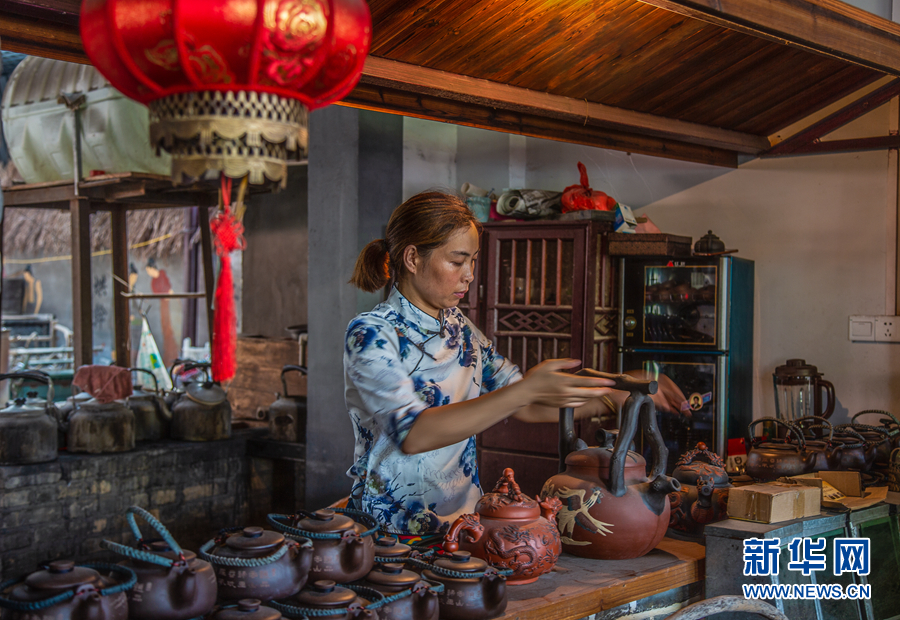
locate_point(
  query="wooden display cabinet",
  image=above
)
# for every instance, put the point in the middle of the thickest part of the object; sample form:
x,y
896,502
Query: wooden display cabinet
x,y
543,290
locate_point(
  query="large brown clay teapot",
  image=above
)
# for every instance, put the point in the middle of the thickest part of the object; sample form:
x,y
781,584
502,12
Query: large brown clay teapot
x,y
408,596
253,563
769,459
472,589
64,591
514,531
703,497
343,539
172,583
611,509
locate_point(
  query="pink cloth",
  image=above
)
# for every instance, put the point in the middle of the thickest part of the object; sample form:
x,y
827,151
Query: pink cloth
x,y
105,383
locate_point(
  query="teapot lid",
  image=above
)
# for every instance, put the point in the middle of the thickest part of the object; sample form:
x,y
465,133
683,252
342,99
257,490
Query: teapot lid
x,y
22,405
62,575
162,549
390,547
254,538
205,392
688,468
325,521
461,561
324,594
507,501
392,575
796,368
248,609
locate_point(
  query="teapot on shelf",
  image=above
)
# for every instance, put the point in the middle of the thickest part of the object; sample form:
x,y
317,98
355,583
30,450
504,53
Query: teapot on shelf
x,y
611,509
703,497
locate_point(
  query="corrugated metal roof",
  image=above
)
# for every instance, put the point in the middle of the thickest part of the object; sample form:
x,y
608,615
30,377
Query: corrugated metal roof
x,y
42,79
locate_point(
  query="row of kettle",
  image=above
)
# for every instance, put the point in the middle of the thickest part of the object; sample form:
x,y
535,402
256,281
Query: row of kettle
x,y
32,430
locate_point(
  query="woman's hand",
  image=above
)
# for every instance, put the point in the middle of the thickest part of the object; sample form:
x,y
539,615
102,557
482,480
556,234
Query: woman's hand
x,y
550,387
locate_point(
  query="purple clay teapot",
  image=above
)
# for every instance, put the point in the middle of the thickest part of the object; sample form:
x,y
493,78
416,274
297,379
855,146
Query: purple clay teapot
x,y
611,509
512,531
253,563
703,497
326,599
472,589
247,609
774,458
414,598
64,591
818,433
860,447
343,541
172,583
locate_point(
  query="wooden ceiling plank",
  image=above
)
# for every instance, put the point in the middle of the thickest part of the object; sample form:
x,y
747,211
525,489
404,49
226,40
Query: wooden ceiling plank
x,y
838,119
827,27
381,72
41,38
851,145
484,117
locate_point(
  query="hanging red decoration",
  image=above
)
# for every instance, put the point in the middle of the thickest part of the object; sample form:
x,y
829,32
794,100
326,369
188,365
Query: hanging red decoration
x,y
228,234
229,83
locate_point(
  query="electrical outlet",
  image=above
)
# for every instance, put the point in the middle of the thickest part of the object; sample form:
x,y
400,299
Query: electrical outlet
x,y
887,329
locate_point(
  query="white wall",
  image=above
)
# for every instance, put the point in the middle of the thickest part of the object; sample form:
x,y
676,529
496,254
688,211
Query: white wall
x,y
821,229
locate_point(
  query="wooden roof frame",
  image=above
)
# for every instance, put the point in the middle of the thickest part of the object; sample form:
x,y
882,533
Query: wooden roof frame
x,y
824,27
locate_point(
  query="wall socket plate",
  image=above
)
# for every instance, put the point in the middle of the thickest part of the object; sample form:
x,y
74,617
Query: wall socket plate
x,y
868,328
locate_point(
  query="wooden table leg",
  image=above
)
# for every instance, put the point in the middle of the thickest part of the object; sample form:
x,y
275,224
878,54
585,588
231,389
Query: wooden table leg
x,y
121,314
82,315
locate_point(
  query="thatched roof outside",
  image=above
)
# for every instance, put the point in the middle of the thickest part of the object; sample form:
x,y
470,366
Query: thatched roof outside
x,y
46,233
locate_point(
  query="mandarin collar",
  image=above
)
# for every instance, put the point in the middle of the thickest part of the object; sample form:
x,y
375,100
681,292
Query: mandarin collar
x,y
400,303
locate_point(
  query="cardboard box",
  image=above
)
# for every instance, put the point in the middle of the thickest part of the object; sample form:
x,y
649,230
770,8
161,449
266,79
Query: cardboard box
x,y
773,502
835,485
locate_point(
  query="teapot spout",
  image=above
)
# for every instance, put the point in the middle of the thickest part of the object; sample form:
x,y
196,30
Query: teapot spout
x,y
657,492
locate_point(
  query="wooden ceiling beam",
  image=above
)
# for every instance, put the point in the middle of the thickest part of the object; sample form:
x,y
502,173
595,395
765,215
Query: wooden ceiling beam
x,y
827,27
40,32
385,73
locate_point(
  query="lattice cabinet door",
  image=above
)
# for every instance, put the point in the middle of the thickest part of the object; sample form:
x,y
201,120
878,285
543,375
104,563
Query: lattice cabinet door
x,y
545,291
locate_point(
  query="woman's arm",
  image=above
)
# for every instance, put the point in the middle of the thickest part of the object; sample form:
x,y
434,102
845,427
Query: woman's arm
x,y
539,395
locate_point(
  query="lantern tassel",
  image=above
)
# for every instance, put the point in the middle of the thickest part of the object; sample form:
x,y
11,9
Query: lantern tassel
x,y
228,234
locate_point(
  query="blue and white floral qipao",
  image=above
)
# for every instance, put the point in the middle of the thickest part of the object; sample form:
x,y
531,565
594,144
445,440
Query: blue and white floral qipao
x,y
399,361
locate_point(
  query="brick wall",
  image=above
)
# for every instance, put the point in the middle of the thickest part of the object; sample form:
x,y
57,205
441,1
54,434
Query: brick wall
x,y
65,508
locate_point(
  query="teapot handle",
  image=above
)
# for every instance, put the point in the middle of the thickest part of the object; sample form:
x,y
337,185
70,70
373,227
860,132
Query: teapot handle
x,y
829,391
34,375
289,368
823,422
155,382
188,365
879,411
801,442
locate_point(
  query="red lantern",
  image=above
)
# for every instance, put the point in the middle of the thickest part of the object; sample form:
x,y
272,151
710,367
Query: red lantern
x,y
229,83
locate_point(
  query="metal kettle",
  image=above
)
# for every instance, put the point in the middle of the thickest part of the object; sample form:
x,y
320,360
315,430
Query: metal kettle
x,y
203,412
287,415
151,413
96,427
28,428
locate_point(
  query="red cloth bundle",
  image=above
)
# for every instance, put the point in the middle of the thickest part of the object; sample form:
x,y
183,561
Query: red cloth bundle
x,y
105,383
583,198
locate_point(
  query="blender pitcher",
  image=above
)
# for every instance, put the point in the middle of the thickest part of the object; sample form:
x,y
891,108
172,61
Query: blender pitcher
x,y
798,391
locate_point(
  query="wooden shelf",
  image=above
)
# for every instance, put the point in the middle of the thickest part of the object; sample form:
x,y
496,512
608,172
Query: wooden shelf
x,y
579,587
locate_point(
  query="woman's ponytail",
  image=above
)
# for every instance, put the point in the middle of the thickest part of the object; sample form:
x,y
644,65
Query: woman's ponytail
x,y
371,272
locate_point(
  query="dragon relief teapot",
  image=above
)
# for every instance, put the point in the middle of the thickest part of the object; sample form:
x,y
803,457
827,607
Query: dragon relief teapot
x,y
611,509
510,530
703,497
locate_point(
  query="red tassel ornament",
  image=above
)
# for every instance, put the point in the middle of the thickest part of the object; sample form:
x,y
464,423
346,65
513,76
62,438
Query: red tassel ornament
x,y
228,234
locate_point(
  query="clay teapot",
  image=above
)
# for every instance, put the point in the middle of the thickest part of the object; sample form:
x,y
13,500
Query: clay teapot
x,y
247,609
326,599
859,448
774,458
890,423
172,583
254,563
202,412
151,414
287,415
415,599
64,591
513,531
472,589
703,497
611,509
343,540
818,433
28,430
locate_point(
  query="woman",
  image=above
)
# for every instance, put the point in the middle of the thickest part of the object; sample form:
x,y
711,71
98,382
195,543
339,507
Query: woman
x,y
421,380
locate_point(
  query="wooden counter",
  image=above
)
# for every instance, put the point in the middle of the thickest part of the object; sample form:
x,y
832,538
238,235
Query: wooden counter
x,y
579,587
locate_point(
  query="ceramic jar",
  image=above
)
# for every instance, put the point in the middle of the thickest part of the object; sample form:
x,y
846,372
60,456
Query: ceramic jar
x,y
253,563
344,544
511,530
421,602
703,497
95,596
472,589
